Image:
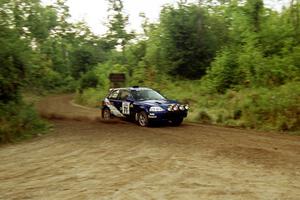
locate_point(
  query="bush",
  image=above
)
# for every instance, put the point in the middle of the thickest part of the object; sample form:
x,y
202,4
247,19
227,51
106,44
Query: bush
x,y
237,114
222,75
48,80
276,108
204,117
91,97
266,108
88,80
18,121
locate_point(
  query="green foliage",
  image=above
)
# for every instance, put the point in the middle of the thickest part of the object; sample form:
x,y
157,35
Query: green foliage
x,y
260,108
13,64
223,73
19,121
189,39
203,117
88,80
117,34
277,108
245,54
83,61
54,81
91,97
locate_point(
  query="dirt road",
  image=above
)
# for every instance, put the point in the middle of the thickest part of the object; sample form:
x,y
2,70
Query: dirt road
x,y
84,158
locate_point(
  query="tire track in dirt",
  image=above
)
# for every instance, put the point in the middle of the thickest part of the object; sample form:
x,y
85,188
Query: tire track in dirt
x,y
84,158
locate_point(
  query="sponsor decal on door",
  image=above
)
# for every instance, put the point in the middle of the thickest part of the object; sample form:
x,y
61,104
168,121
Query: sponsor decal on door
x,y
126,108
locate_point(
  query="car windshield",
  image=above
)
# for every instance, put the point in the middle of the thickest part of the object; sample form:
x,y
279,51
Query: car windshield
x,y
141,95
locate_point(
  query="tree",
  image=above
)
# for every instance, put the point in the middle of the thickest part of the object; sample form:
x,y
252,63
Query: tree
x,y
14,52
254,9
295,18
117,34
189,39
13,70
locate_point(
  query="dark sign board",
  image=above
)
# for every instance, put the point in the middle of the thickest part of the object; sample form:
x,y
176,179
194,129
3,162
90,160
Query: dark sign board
x,y
117,79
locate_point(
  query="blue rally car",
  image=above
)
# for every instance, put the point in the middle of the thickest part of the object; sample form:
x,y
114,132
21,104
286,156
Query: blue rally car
x,y
143,105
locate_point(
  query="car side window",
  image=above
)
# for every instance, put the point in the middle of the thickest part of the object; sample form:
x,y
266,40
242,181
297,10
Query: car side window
x,y
114,94
124,94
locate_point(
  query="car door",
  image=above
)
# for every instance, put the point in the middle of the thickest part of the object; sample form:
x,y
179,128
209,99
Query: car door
x,y
115,103
125,103
118,102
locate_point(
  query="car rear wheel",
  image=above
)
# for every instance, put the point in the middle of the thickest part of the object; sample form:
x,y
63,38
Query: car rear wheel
x,y
176,122
142,119
106,115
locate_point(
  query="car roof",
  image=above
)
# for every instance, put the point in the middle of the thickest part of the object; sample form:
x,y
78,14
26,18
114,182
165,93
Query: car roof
x,y
131,88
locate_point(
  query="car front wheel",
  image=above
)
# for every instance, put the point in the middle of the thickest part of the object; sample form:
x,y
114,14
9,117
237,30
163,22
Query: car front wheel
x,y
142,119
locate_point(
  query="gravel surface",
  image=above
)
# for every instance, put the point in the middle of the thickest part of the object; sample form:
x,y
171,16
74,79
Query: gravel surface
x,y
86,158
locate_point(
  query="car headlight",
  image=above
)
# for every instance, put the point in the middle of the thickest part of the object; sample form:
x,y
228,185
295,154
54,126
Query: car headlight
x,y
175,108
156,109
186,107
181,107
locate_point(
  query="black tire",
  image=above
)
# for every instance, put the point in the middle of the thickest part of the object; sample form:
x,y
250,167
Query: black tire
x,y
176,122
106,114
142,119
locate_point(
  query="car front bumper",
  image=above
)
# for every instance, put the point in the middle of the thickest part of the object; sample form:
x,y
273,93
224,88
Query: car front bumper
x,y
166,116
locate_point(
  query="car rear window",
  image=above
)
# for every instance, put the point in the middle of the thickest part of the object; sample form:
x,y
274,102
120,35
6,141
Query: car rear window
x,y
114,94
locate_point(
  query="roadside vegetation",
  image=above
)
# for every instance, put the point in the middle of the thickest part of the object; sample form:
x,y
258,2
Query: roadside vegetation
x,y
235,62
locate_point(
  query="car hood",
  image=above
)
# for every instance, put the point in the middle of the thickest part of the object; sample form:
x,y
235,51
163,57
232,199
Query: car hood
x,y
161,103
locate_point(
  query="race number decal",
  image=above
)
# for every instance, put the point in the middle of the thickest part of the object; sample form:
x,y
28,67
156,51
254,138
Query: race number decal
x,y
125,108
